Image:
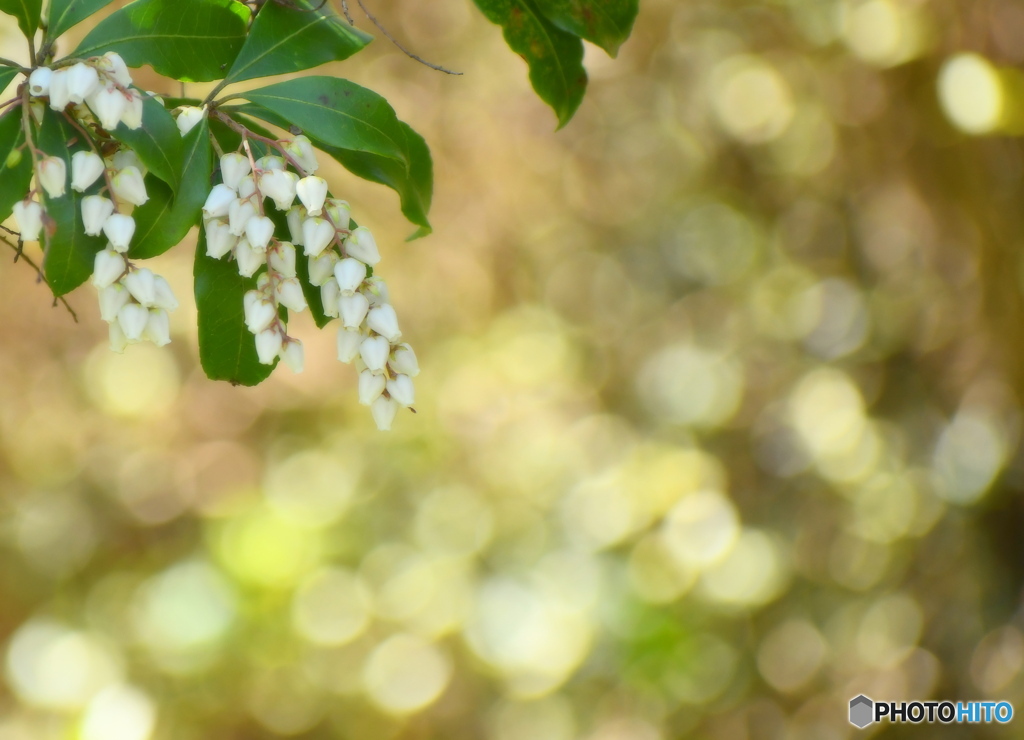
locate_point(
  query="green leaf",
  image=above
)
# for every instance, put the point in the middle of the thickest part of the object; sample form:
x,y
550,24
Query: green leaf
x,y
606,23
336,112
26,11
165,219
555,57
69,252
66,13
191,40
289,39
15,176
6,75
227,351
157,142
311,292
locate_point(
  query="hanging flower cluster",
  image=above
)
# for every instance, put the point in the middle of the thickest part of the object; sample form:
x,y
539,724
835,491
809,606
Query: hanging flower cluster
x,y
340,264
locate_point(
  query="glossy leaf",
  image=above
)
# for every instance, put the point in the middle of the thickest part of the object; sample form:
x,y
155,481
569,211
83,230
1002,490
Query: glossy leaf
x,y
66,13
286,39
336,112
25,11
157,142
554,56
165,219
15,176
191,40
227,351
69,251
6,75
606,23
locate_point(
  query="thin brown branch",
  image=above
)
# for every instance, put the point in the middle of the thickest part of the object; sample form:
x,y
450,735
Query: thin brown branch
x,y
19,254
394,41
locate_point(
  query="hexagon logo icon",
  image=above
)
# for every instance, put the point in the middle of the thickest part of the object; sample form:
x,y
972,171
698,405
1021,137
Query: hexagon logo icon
x,y
861,711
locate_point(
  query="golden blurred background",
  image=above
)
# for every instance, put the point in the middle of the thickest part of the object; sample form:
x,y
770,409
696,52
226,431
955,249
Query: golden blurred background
x,y
718,420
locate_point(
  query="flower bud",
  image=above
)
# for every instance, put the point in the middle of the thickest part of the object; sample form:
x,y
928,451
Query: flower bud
x,y
270,162
109,104
247,187
296,216
141,284
329,295
312,191
188,117
370,387
158,327
60,96
374,352
289,294
112,299
361,245
129,187
107,267
113,65
132,116
350,274
86,168
163,295
383,411
384,321
133,319
30,219
239,213
259,312
321,268
219,239
293,355
218,202
339,213
348,344
376,290
301,150
353,308
401,389
403,360
259,230
52,174
127,158
317,234
39,81
83,81
118,341
282,259
268,345
119,229
249,259
279,186
233,167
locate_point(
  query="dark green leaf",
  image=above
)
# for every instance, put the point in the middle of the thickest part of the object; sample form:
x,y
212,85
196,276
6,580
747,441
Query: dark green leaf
x,y
165,219
66,13
555,57
157,142
191,40
289,39
606,23
336,112
69,252
6,75
26,11
227,351
14,176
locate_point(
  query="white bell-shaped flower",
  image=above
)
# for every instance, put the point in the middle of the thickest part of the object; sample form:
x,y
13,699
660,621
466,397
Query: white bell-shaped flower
x,y
239,212
163,295
86,168
370,387
247,187
383,411
114,67
233,167
296,216
312,191
361,245
350,274
119,229
268,345
293,355
112,299
348,344
39,81
109,104
377,291
83,81
401,389
329,295
107,267
403,360
188,117
353,308
259,312
289,294
249,259
301,150
133,319
339,213
141,284
127,158
60,96
158,327
132,116
384,321
118,341
52,175
129,186
218,201
281,259
374,352
219,239
317,234
321,268
270,162
95,211
30,219
279,186
259,230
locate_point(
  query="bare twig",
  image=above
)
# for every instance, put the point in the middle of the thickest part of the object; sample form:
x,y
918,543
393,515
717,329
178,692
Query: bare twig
x,y
394,41
19,254
348,16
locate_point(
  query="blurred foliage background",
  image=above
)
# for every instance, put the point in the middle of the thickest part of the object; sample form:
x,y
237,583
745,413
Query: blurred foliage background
x,y
718,424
